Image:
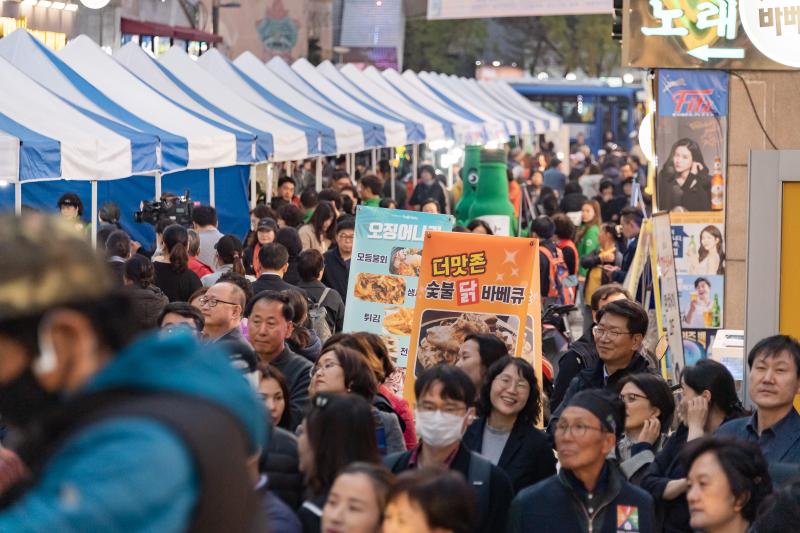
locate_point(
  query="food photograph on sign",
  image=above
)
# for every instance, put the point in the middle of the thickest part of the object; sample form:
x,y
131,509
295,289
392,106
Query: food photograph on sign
x,y
701,301
406,261
443,332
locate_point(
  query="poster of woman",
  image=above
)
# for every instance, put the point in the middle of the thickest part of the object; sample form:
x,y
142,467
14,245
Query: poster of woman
x,y
684,183
698,242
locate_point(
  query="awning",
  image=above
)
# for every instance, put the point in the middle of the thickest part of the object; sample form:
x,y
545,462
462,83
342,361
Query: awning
x,y
138,27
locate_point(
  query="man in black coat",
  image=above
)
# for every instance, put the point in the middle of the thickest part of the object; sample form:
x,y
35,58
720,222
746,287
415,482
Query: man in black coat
x,y
583,352
618,335
310,267
444,408
274,260
337,260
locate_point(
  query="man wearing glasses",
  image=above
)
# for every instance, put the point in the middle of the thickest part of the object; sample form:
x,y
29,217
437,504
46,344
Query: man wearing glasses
x,y
337,260
588,493
618,335
222,307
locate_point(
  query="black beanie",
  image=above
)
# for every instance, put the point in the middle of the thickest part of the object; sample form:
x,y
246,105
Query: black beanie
x,y
606,406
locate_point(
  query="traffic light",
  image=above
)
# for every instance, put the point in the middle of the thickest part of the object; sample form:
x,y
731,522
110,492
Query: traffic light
x,y
616,21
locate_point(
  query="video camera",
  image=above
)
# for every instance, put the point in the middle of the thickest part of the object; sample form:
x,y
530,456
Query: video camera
x,y
175,208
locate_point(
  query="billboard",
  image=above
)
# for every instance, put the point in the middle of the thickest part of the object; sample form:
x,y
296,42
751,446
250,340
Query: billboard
x,y
464,9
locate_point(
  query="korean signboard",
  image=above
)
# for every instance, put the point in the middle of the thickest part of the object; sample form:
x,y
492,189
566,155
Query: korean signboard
x,y
474,284
384,269
691,144
703,34
668,289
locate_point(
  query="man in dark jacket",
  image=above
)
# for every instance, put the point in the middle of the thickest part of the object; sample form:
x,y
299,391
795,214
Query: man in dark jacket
x,y
589,493
280,462
631,218
618,335
427,187
108,417
274,260
583,352
445,395
270,317
337,260
310,267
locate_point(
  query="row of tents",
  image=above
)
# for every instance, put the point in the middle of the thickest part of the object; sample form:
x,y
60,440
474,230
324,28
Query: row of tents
x,y
83,115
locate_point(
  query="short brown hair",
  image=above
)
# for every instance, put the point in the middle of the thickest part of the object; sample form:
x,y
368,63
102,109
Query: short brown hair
x,y
359,377
606,291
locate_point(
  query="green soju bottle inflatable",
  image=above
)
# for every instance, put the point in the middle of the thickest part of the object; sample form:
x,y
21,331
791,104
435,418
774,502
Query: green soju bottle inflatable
x,y
469,177
491,201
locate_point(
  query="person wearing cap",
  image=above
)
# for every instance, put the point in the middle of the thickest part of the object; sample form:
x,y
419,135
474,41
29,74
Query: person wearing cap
x,y
107,425
71,208
589,493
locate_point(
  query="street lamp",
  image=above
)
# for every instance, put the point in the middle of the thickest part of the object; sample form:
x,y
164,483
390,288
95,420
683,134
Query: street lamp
x,y
215,7
95,4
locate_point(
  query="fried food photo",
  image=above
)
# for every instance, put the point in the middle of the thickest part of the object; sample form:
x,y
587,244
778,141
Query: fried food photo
x,y
406,261
441,342
398,320
380,288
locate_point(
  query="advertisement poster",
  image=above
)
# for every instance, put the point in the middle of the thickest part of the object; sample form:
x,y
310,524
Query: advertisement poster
x,y
384,269
640,259
691,144
474,284
668,285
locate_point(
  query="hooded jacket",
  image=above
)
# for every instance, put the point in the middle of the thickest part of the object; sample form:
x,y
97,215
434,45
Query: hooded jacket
x,y
131,474
146,305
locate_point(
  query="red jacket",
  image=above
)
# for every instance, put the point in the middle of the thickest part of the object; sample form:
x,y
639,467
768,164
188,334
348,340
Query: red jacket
x,y
199,268
400,407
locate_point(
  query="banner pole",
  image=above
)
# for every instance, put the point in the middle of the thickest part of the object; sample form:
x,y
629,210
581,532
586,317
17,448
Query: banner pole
x,y
253,187
18,198
212,197
94,214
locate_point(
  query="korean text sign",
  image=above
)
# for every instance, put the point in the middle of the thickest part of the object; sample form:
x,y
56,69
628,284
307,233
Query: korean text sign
x,y
690,34
384,268
474,284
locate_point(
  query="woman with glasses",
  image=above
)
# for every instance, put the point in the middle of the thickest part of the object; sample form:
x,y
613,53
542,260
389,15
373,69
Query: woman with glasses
x,y
506,436
728,480
649,406
344,370
172,274
338,430
708,399
589,493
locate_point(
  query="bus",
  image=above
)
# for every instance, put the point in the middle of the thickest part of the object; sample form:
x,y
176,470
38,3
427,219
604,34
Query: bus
x,y
590,108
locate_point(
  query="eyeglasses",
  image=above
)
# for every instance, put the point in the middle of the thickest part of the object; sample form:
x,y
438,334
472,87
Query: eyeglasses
x,y
457,410
631,397
327,366
169,329
212,302
578,430
600,332
346,237
508,382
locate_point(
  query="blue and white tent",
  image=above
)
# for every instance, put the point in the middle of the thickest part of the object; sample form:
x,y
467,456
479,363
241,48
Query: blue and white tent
x,y
304,77
47,138
503,92
352,135
223,69
179,78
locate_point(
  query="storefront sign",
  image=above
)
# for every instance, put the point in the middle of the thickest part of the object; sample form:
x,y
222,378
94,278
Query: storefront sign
x,y
384,268
697,34
474,284
773,27
462,9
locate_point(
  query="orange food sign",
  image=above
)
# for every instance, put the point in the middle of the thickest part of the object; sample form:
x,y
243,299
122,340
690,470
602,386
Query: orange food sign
x,y
472,283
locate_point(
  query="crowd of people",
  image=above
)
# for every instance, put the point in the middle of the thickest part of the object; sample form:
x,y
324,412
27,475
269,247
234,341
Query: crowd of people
x,y
207,384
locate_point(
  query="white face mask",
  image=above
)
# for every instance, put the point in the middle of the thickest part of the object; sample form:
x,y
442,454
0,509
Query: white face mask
x,y
439,429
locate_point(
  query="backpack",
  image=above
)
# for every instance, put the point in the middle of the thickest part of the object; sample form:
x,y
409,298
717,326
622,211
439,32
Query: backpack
x,y
561,286
318,317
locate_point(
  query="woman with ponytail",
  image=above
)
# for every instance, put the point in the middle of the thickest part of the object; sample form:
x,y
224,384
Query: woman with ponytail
x,y
229,258
172,274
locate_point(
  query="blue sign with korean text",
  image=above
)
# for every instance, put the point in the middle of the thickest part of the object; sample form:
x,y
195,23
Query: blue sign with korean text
x,y
692,93
384,271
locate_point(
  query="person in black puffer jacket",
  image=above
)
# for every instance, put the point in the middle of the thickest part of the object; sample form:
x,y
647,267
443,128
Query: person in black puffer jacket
x,y
147,300
280,462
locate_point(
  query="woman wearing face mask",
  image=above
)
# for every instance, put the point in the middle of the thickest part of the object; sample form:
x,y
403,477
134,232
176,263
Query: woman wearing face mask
x,y
728,481
343,370
357,500
649,406
265,232
709,399
430,500
477,353
338,430
507,436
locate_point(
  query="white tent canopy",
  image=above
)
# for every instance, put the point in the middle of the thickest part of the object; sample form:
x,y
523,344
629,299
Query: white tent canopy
x,y
9,157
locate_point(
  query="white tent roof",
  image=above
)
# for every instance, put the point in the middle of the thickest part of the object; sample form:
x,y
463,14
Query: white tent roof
x,y
9,157
505,93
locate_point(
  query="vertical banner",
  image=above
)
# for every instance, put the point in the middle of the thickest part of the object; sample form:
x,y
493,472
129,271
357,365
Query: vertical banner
x,y
668,285
474,284
634,275
382,287
691,143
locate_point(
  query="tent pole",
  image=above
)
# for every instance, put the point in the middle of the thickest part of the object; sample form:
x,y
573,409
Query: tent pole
x,y
269,183
318,182
415,163
158,185
392,174
212,197
18,198
374,160
253,188
94,214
